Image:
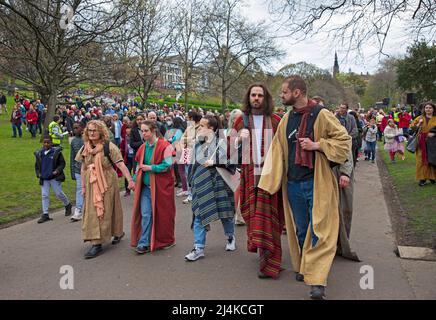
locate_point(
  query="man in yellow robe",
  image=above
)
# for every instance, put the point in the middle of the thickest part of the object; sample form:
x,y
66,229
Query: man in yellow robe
x,y
309,140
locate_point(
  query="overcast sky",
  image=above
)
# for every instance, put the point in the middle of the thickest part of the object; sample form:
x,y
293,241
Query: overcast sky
x,y
320,52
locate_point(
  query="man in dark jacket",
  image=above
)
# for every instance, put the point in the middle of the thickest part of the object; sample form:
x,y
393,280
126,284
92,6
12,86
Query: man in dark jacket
x,y
3,103
49,168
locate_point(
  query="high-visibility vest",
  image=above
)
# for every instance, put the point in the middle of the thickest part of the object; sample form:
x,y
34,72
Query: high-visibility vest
x,y
55,139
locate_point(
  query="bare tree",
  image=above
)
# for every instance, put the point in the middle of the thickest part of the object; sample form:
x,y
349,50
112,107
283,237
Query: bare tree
x,y
124,64
234,45
53,49
354,24
189,38
151,44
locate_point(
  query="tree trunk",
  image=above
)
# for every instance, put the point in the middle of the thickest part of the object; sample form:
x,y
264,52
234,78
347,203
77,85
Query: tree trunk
x,y
223,96
186,95
51,108
11,90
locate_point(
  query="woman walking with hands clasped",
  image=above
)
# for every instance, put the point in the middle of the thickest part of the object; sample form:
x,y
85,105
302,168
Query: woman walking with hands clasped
x,y
102,211
154,208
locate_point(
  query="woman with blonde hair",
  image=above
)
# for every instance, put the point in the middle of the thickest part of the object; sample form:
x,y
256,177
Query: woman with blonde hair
x,y
102,211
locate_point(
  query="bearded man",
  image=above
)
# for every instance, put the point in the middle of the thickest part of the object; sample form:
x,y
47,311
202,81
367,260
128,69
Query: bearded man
x,y
308,142
262,212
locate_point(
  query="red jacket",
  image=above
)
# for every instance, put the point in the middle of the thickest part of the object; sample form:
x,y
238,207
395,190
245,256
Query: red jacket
x,y
26,104
384,122
404,122
32,117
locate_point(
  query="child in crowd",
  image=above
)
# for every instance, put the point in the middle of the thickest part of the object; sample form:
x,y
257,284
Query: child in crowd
x,y
49,168
393,140
370,140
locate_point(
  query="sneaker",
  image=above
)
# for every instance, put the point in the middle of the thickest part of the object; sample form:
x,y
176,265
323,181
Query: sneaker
x,y
68,208
77,216
432,181
422,183
317,292
231,244
127,193
182,193
44,218
187,200
195,254
117,239
142,249
372,161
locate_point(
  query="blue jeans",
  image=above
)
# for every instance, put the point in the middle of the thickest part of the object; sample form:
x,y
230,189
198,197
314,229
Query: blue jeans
x,y
79,197
300,195
32,129
15,128
200,231
147,217
45,193
117,141
370,149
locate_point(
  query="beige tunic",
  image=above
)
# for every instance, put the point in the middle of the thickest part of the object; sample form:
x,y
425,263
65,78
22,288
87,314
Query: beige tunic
x,y
95,230
313,262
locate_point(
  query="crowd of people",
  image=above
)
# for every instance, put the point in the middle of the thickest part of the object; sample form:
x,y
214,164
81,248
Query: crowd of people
x,y
276,173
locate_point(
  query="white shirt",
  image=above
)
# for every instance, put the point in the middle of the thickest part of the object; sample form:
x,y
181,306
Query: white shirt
x,y
258,124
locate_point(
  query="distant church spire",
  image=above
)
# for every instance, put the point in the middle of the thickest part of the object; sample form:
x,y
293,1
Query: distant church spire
x,y
336,66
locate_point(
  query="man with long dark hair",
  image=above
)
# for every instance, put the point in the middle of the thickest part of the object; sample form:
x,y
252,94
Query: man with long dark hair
x,y
262,212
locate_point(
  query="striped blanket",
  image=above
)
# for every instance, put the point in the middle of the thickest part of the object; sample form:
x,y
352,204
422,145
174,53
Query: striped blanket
x,y
212,199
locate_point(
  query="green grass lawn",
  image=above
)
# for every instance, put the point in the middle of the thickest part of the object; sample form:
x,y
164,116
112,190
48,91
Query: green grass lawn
x,y
418,202
20,193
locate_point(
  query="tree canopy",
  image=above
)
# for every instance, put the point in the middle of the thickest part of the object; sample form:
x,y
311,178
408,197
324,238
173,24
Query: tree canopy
x,y
417,71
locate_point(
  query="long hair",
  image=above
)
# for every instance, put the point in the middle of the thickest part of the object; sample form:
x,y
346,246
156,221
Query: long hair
x,y
101,128
268,103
